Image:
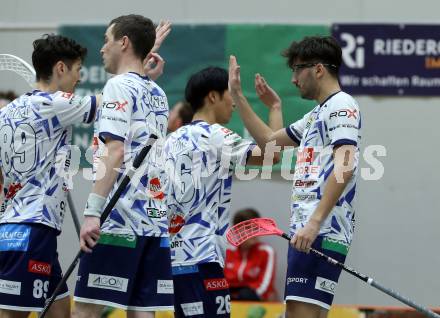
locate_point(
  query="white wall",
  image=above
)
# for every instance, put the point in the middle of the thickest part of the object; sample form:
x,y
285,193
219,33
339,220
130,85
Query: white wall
x,y
397,218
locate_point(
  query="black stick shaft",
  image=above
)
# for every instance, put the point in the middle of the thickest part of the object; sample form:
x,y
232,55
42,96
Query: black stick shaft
x,y
136,163
370,281
73,213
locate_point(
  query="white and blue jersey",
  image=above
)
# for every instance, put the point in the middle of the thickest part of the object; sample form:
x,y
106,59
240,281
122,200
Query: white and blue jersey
x,y
335,122
134,107
35,129
199,163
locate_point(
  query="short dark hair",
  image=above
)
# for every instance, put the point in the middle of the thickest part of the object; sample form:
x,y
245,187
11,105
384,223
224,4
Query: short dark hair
x,y
186,113
316,49
139,29
8,95
244,215
50,49
201,83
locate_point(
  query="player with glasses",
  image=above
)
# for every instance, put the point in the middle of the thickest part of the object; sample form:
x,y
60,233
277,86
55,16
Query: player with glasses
x,y
298,67
324,185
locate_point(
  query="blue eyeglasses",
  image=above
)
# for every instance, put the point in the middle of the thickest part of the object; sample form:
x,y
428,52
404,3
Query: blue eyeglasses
x,y
297,67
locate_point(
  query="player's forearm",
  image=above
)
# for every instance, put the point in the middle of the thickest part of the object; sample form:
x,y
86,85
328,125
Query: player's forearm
x,y
111,163
108,170
276,117
258,129
343,169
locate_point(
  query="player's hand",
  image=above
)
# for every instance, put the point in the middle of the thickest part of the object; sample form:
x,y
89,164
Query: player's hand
x,y
266,94
234,77
89,235
153,66
304,237
162,31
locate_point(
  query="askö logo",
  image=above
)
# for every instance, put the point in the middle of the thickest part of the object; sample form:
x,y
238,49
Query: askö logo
x,y
353,52
37,267
216,284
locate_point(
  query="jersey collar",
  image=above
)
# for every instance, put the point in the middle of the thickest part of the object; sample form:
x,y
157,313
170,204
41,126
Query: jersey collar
x,y
327,99
143,77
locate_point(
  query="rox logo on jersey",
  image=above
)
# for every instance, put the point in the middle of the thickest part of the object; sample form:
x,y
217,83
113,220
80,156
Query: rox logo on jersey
x,y
305,155
37,267
116,105
216,284
344,113
176,223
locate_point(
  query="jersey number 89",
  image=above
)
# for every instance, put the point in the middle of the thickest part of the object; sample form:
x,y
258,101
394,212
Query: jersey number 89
x,y
18,147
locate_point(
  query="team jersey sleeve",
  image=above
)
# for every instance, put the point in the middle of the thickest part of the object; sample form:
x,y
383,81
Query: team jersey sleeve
x,y
117,106
295,131
232,146
343,122
71,109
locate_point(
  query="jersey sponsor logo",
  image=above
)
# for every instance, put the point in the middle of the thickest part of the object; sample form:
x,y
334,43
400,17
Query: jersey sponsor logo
x,y
335,245
304,197
302,171
343,126
156,213
155,189
296,280
306,155
176,244
111,118
349,113
325,285
192,309
165,287
116,105
216,284
310,122
108,282
12,190
123,240
176,223
37,267
14,237
10,287
304,183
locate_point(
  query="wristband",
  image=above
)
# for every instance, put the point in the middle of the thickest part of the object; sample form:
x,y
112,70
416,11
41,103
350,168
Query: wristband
x,y
95,204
